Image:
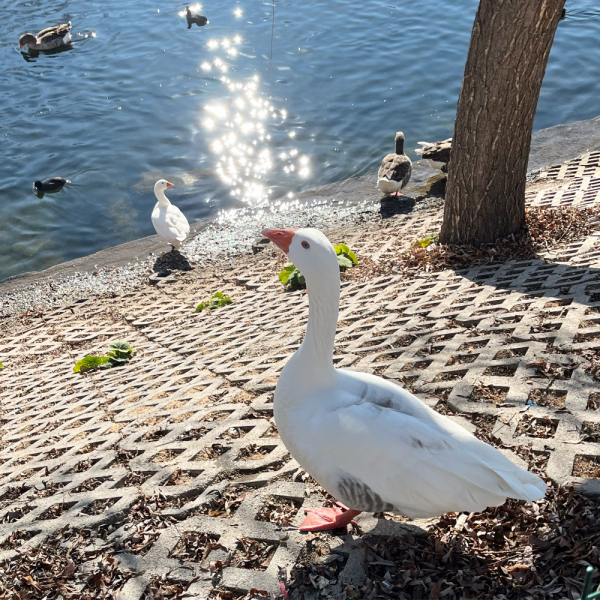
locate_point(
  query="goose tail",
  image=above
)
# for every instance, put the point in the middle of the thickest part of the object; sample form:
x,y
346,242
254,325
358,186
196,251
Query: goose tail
x,y
527,486
424,145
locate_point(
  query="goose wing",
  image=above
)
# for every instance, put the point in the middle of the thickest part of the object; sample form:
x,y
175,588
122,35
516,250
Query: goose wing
x,y
396,167
388,451
52,33
170,223
436,151
177,223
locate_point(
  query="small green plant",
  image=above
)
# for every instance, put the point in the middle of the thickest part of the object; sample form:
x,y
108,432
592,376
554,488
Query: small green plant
x,y
293,279
1,366
216,300
346,258
432,238
118,355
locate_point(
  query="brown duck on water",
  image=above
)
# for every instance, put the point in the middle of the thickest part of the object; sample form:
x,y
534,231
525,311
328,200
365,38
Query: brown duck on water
x,y
47,39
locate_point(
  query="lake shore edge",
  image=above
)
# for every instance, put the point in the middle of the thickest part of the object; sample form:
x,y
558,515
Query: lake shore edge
x,y
132,260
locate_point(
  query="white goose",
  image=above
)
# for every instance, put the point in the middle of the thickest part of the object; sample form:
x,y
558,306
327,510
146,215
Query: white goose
x,y
170,223
368,442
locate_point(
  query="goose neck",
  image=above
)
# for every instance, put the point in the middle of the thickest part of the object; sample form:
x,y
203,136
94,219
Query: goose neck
x,y
163,201
315,355
400,146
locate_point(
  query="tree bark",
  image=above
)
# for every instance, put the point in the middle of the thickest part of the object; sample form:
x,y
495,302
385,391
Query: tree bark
x,y
510,45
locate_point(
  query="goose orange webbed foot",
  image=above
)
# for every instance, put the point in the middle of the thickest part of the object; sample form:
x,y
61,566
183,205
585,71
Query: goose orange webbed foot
x,y
324,519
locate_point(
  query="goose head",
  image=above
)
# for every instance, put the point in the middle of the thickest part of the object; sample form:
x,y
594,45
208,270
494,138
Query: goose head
x,y
161,185
312,253
399,143
159,191
27,38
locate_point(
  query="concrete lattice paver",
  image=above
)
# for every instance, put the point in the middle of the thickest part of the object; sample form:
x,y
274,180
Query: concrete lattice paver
x,y
191,415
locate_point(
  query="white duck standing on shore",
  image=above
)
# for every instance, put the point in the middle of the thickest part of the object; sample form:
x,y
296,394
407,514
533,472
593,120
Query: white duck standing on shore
x,y
368,442
170,223
47,39
395,170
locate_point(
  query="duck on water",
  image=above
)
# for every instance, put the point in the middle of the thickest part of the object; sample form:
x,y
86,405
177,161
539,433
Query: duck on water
x,y
52,184
47,39
194,18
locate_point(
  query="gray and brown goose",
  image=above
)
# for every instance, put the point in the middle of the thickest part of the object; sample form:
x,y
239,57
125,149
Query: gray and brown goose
x,y
47,39
437,154
395,169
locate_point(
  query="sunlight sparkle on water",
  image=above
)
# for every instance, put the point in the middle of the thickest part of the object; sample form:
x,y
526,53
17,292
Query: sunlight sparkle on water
x,y
193,8
252,150
217,110
238,12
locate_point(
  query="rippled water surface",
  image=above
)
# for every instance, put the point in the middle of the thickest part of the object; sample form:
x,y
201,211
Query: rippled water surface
x,y
140,96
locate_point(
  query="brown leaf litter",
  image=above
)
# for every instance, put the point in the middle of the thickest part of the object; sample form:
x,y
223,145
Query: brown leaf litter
x,y
253,554
223,504
195,546
64,565
547,229
586,466
157,590
253,452
542,427
278,510
516,551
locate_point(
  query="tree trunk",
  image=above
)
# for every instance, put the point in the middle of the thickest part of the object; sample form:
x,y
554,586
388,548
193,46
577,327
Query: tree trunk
x,y
510,44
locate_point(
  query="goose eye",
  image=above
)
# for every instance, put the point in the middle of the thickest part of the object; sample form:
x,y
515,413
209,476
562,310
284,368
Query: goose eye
x,y
305,245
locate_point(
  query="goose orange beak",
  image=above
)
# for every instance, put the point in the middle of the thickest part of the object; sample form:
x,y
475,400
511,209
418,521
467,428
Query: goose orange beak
x,y
282,238
169,184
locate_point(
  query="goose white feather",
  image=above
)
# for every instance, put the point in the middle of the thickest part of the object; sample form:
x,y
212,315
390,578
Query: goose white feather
x,y
169,222
367,441
389,186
